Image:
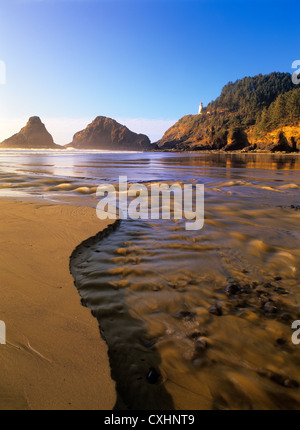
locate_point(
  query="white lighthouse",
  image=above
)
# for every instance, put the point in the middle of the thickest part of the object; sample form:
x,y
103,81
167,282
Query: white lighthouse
x,y
200,108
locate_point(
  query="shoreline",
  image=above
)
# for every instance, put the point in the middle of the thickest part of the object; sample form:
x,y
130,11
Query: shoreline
x,y
162,151
218,151
54,357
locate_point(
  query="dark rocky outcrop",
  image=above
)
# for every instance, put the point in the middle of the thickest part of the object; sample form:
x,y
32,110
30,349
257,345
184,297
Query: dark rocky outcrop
x,y
295,144
33,135
106,133
237,140
281,144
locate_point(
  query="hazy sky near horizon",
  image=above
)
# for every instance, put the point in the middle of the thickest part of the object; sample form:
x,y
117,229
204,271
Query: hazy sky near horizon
x,y
144,62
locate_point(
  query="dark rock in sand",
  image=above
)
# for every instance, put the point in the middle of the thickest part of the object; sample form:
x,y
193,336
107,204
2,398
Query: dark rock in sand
x,y
197,334
153,376
268,285
200,348
282,380
260,291
216,310
200,344
232,289
270,307
186,315
280,290
264,298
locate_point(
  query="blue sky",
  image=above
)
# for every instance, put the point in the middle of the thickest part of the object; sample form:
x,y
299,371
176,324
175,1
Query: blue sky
x,y
144,62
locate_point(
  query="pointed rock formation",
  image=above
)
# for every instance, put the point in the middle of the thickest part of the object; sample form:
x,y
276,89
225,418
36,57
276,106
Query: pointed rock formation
x,y
33,136
106,133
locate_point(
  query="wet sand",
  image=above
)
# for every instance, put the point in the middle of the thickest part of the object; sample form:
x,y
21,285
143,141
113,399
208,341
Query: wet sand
x,y
54,357
202,320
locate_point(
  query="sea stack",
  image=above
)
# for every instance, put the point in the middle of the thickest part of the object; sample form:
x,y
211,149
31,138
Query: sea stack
x,y
107,134
33,136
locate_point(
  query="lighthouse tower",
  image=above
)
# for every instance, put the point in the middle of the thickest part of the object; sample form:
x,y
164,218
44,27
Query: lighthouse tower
x,y
200,108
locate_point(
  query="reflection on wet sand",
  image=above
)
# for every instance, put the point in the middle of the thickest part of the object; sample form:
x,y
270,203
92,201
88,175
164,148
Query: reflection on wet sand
x,y
55,174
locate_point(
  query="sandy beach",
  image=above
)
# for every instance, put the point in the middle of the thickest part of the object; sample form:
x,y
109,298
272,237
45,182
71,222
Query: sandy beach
x,y
54,357
192,320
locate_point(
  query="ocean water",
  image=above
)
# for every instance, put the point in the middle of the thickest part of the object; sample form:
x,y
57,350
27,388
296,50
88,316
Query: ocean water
x,y
62,174
193,319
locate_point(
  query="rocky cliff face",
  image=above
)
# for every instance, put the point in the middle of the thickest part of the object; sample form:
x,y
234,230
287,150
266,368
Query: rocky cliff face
x,y
193,132
190,134
282,139
106,133
33,135
254,113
